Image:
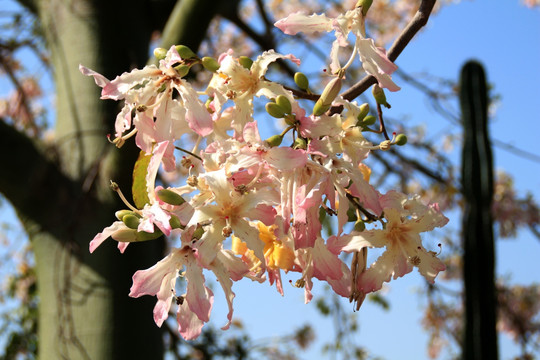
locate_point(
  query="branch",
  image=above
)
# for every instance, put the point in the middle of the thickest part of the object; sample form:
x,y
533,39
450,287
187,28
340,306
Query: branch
x,y
418,21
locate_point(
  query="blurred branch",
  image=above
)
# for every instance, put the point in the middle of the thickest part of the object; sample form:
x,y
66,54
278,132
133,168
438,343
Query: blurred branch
x,y
29,178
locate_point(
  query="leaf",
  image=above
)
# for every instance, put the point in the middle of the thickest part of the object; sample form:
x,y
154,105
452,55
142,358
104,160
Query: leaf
x,y
140,195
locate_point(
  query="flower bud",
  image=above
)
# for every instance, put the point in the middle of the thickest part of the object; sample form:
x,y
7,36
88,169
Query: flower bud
x,y
145,236
210,63
170,197
359,226
198,233
131,221
364,110
380,97
125,235
282,101
275,110
290,119
301,80
175,222
160,53
185,52
329,94
121,213
182,69
274,140
245,62
368,121
401,139
300,143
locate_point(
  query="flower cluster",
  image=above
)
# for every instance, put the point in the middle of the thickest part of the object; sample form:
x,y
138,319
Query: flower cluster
x,y
253,208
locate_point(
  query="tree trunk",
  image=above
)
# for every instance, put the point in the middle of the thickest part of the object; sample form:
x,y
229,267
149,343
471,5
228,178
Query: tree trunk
x,y
61,192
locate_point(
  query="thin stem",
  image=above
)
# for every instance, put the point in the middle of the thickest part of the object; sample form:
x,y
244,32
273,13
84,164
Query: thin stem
x,y
188,152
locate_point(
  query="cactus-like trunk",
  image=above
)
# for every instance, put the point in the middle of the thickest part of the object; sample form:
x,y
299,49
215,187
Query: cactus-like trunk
x,y
480,340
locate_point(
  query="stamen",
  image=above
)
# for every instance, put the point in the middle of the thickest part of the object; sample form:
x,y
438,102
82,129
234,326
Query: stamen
x,y
116,188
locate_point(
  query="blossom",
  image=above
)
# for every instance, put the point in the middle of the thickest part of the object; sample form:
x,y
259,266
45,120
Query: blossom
x,y
374,59
148,94
406,219
236,82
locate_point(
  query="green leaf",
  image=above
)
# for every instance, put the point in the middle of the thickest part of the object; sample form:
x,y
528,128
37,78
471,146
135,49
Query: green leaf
x,y
140,196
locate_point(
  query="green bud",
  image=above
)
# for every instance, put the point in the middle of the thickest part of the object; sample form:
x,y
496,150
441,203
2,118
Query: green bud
x,y
319,108
282,101
125,235
145,236
210,63
121,213
290,119
275,110
329,94
175,222
351,215
322,214
170,197
160,53
131,221
364,110
359,225
274,140
182,69
301,80
185,52
369,120
245,62
401,139
300,143
198,233
365,4
380,97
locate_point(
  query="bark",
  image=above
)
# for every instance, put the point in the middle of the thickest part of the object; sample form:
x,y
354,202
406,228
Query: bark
x,y
61,192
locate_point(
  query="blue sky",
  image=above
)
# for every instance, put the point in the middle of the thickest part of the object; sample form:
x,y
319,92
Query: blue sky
x,y
504,36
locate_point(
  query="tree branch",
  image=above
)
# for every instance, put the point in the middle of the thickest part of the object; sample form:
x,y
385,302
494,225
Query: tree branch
x,y
418,21
29,179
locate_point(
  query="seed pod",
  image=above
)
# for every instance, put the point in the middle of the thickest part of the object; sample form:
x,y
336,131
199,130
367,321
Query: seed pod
x,y
170,197
210,63
319,108
401,139
185,52
275,110
365,4
160,53
131,221
282,101
274,140
301,80
245,62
